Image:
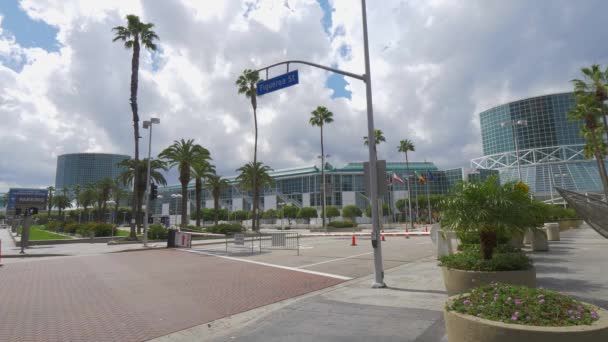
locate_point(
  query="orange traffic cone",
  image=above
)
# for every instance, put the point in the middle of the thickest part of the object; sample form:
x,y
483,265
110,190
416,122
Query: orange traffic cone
x,y
354,241
382,239
426,229
407,235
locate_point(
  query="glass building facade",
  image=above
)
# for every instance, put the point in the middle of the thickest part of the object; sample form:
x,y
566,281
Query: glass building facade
x,y
549,147
86,168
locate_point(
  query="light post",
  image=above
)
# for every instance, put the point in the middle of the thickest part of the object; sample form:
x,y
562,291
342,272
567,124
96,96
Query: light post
x,y
561,175
148,125
324,214
513,124
176,196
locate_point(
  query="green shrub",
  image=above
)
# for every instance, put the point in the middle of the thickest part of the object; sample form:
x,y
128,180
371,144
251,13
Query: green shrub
x,y
97,228
54,226
307,213
471,260
522,305
351,212
157,232
341,224
71,228
331,212
225,228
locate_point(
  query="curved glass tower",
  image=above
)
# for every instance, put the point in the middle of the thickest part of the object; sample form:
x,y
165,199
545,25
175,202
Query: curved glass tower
x,y
535,135
86,168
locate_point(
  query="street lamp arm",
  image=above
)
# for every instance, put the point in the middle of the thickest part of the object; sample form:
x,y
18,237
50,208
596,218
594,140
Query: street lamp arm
x,y
338,71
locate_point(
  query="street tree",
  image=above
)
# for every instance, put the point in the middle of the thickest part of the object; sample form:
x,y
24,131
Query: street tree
x,y
319,117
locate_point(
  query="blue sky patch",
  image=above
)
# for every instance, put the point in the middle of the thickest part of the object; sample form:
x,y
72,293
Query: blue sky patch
x,y
27,32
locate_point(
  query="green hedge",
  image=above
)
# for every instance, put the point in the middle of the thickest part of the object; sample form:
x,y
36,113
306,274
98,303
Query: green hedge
x,y
341,224
471,260
226,228
84,229
157,232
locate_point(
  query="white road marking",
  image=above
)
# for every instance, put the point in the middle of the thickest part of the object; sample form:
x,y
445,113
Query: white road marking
x,y
332,260
270,265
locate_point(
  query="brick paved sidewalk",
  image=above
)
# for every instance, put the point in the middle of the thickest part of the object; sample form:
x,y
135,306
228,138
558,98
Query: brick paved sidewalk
x,y
135,296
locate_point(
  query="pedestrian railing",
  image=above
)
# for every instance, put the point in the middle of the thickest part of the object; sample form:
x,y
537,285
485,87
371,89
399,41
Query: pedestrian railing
x,y
592,210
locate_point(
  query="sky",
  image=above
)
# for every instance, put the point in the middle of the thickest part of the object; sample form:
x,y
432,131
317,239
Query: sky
x,y
435,64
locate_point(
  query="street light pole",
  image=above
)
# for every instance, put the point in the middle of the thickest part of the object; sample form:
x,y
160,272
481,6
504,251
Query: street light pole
x,y
373,171
148,125
513,123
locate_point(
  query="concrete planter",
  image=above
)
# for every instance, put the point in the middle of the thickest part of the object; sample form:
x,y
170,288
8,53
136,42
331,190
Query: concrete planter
x,y
539,241
569,224
465,328
552,231
459,281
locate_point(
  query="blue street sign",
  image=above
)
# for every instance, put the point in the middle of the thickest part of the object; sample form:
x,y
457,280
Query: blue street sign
x,y
279,82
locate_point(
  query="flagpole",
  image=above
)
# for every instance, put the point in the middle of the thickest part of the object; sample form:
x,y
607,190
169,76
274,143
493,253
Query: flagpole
x,y
428,195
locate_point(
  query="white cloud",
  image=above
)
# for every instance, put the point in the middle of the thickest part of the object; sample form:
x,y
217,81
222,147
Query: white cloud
x,y
435,65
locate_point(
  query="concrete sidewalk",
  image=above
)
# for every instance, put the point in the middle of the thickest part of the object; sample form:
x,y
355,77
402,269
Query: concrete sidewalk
x,y
410,309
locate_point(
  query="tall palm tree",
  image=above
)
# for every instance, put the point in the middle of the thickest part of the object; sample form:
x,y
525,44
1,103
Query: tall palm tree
x,y
253,178
246,84
319,117
183,154
378,137
134,35
201,170
87,197
61,202
587,109
104,190
134,175
595,83
76,192
51,189
216,184
118,194
406,146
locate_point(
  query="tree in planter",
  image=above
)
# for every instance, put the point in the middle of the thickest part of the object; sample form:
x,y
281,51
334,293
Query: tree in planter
x,y
351,212
307,213
486,208
332,212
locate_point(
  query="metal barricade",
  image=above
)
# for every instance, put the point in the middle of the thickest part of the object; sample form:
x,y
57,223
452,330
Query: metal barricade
x,y
242,244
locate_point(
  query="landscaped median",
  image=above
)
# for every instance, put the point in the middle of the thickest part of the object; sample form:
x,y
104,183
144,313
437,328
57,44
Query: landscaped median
x,y
505,313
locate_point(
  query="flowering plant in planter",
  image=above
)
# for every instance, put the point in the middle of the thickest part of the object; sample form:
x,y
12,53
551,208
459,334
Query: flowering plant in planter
x,y
523,305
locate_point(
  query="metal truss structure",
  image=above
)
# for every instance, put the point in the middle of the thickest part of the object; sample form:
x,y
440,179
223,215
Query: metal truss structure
x,y
592,210
533,156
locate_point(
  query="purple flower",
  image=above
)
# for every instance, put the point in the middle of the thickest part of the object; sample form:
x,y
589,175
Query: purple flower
x,y
513,318
594,315
541,301
516,313
517,302
466,302
570,312
541,296
572,317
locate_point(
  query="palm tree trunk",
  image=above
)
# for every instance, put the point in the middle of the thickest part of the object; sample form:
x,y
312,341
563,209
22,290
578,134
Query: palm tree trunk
x,y
600,164
322,181
216,205
198,189
255,173
133,100
184,204
409,190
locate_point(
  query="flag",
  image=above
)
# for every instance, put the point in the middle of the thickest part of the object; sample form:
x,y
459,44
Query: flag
x,y
429,176
420,178
397,179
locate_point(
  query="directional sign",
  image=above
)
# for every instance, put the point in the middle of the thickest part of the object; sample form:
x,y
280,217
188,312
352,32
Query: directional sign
x,y
279,82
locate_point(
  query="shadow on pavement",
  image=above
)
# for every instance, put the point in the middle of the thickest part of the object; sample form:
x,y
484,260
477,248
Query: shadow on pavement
x,y
416,290
568,284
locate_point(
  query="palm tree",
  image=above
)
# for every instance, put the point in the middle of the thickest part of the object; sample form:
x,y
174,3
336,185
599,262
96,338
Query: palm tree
x,y
183,154
406,146
595,83
87,197
378,137
134,35
135,174
61,202
246,84
253,178
51,203
319,117
118,194
76,192
587,109
216,184
104,190
201,170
